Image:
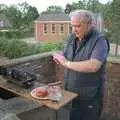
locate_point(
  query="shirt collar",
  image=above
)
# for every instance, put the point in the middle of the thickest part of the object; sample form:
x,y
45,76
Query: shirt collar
x,y
87,36
84,40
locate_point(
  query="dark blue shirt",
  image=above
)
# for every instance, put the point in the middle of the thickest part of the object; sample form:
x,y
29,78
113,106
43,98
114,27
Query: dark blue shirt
x,y
100,51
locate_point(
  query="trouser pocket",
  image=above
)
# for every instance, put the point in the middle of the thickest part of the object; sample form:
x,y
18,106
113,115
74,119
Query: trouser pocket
x,y
86,93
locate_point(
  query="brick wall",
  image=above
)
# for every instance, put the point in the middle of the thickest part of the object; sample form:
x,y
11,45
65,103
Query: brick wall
x,y
50,37
112,94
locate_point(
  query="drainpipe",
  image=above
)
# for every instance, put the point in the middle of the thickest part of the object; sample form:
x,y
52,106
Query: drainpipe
x,y
99,23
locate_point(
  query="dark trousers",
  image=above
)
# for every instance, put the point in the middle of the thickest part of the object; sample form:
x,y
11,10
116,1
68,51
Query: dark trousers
x,y
86,109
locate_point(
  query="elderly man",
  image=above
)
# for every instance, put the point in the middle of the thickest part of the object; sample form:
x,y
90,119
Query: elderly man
x,y
84,58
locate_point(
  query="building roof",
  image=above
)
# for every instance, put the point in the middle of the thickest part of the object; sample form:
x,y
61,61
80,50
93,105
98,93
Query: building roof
x,y
53,17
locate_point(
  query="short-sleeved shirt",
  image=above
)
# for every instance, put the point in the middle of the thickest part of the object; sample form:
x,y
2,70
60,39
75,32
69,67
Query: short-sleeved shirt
x,y
101,49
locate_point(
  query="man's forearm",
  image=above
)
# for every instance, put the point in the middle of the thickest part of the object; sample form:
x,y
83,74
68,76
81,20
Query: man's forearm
x,y
83,66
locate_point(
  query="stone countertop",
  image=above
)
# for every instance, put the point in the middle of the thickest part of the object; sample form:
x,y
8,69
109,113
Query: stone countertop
x,y
19,91
17,105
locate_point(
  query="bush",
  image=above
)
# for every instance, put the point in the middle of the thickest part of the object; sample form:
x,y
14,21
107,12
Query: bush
x,y
14,48
17,33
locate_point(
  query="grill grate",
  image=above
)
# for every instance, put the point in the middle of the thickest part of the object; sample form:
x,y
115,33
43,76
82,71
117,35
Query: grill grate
x,y
23,74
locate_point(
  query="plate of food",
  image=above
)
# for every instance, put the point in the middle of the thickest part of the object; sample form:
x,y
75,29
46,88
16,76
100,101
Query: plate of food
x,y
40,93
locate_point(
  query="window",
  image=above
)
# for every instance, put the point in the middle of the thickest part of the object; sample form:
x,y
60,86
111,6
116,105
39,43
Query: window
x,y
53,28
1,23
70,28
61,28
45,28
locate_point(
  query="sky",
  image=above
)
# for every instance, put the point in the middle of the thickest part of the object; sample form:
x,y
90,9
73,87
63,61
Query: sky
x,y
41,5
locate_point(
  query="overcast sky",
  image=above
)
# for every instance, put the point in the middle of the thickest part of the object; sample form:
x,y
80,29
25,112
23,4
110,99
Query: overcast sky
x,y
41,5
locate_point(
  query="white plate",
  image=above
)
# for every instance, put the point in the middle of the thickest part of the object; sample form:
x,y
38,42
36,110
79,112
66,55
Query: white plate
x,y
34,91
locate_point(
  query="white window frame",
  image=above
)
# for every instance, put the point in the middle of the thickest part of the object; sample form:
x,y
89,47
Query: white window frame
x,y
53,25
45,28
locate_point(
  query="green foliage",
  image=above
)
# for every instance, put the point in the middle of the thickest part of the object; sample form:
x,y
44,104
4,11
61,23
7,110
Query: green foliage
x,y
13,48
20,15
15,17
3,9
115,20
53,9
29,13
17,33
93,5
50,47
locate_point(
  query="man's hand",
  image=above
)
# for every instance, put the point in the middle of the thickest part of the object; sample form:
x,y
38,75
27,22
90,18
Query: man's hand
x,y
59,59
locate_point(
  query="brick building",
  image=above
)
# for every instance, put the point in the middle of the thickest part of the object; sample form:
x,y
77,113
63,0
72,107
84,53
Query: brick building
x,y
52,27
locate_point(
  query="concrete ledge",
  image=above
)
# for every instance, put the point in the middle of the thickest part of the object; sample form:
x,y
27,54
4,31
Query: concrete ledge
x,y
8,116
27,58
114,59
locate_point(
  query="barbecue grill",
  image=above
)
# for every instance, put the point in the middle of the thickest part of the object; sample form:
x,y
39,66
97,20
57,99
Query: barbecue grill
x,y
23,74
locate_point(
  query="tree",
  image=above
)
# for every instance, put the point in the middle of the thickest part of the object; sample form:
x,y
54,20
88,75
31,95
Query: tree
x,y
74,6
32,13
22,15
15,16
93,5
53,9
3,8
29,13
68,8
115,19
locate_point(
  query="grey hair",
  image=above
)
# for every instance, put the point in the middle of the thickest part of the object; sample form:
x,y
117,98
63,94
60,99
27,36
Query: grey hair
x,y
83,15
